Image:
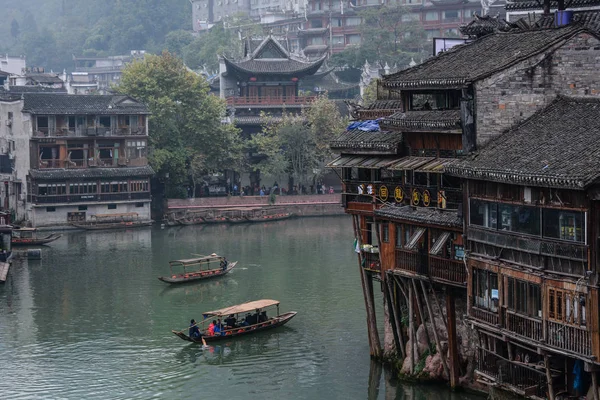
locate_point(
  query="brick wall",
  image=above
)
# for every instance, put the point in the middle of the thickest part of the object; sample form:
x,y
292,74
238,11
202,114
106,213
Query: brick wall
x,y
511,96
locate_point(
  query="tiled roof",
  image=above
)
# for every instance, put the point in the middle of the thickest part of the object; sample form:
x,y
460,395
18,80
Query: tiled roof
x,y
271,66
35,89
557,147
255,120
481,26
535,5
44,78
587,19
383,105
467,63
360,141
424,120
90,173
423,215
47,103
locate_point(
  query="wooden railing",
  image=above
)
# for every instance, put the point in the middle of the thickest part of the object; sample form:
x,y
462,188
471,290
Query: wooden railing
x,y
90,197
91,131
409,261
524,326
372,261
484,315
448,270
270,100
568,337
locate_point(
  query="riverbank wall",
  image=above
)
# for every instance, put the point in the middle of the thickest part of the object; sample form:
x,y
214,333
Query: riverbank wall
x,y
300,206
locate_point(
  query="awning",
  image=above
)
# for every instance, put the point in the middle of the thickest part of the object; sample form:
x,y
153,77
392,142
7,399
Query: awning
x,y
362,162
414,239
241,308
438,165
439,243
409,163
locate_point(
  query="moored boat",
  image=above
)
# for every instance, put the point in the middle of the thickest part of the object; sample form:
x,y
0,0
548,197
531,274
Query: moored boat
x,y
235,325
112,221
28,237
270,217
194,269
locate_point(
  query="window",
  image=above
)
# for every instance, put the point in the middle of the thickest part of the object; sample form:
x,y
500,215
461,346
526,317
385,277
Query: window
x,y
82,208
104,122
353,39
520,219
316,23
139,205
385,233
564,225
410,17
42,124
50,209
567,306
112,206
399,236
451,15
138,186
353,21
431,16
483,213
524,297
135,149
485,289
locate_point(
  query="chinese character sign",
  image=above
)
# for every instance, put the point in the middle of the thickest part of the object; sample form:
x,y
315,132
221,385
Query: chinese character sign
x,y
398,194
383,193
426,198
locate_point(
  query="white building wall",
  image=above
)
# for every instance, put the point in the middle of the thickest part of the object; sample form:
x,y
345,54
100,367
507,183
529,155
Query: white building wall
x,y
57,214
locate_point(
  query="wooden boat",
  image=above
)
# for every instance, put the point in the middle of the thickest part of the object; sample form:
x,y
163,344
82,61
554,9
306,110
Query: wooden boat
x,y
261,322
201,268
112,221
269,217
28,237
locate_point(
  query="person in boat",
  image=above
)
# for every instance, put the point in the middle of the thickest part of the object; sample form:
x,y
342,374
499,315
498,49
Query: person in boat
x,y
194,332
262,317
245,320
224,264
230,321
211,328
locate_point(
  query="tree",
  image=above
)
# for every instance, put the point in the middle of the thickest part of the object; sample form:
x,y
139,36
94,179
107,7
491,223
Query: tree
x,y
176,41
14,29
187,135
298,145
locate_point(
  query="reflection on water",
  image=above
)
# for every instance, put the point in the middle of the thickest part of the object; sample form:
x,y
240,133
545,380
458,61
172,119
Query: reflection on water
x,y
92,320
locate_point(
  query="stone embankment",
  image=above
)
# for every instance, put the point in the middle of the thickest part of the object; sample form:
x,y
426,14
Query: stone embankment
x,y
301,205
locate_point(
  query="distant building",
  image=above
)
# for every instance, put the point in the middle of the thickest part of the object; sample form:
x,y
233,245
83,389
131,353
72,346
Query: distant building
x,y
207,12
65,158
105,71
532,9
12,65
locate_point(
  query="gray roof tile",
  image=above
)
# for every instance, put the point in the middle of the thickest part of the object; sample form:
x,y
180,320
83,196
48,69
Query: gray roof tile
x,y
422,215
90,173
58,103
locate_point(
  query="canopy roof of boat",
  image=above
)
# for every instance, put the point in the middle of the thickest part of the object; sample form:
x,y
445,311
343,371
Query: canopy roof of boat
x,y
187,261
23,229
242,308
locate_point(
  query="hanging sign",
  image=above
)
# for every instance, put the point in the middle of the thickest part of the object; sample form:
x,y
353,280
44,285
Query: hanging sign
x,y
370,189
398,194
415,197
361,189
426,198
441,199
383,193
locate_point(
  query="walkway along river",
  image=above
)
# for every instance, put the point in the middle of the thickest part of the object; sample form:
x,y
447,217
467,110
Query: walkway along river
x,y
91,320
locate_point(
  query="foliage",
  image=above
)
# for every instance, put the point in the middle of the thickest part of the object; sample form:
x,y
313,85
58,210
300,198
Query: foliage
x,y
298,145
186,133
89,27
221,39
370,93
388,36
176,41
15,31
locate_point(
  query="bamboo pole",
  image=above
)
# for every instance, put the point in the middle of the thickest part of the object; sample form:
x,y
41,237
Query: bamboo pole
x,y
362,279
549,377
397,318
411,329
452,340
435,333
368,293
437,302
420,309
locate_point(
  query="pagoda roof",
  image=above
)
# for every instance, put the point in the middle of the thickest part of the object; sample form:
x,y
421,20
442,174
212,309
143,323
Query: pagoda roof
x,y
271,57
520,5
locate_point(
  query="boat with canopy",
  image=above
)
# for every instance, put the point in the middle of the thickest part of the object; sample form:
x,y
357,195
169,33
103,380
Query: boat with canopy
x,y
239,320
28,237
194,269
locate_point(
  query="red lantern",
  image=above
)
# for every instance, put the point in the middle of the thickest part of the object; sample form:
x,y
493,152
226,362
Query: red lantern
x,y
253,79
294,79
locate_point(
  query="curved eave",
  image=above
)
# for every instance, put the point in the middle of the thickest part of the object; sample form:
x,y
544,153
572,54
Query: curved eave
x,y
309,69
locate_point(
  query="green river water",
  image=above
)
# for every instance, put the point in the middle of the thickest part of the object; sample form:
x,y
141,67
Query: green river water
x,y
91,320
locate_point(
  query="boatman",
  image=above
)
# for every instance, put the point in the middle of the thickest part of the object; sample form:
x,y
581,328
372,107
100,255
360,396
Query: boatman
x,y
224,263
194,332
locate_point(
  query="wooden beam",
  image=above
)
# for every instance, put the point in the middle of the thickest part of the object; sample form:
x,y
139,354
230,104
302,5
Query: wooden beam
x,y
435,333
452,340
595,384
396,324
420,309
411,328
549,377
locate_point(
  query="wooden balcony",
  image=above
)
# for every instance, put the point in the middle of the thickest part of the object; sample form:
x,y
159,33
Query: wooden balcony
x,y
568,337
91,131
271,101
524,326
89,197
486,316
410,261
372,262
446,270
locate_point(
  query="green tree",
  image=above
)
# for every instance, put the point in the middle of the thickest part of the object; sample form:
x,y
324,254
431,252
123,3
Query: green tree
x,y
176,41
15,31
187,135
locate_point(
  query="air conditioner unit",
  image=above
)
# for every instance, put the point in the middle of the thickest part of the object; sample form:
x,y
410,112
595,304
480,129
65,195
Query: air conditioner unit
x,y
11,156
22,197
8,122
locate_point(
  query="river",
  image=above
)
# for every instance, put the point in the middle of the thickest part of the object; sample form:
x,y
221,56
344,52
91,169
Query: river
x,y
90,320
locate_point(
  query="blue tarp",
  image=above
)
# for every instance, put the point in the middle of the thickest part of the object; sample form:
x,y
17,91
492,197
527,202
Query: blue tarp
x,y
366,126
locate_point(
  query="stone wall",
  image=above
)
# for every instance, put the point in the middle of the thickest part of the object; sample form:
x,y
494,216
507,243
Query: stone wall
x,y
251,201
56,216
513,95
